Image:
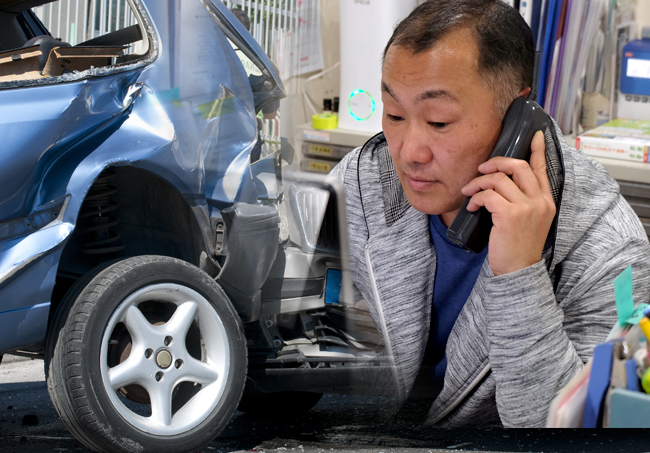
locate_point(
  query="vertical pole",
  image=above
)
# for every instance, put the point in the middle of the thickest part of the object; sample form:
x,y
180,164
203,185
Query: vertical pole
x,y
67,22
58,25
76,21
276,18
84,26
255,27
125,18
294,36
109,17
102,17
50,17
118,26
267,26
93,13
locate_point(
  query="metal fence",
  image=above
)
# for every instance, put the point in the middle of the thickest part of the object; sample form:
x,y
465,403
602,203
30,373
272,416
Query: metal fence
x,y
273,23
76,21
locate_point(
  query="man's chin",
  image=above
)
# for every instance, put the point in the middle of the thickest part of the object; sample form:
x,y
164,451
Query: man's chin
x,y
427,207
427,204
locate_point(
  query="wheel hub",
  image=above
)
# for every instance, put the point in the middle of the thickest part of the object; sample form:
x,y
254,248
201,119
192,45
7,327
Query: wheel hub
x,y
164,359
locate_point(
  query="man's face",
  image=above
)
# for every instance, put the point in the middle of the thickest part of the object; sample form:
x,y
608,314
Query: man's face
x,y
439,120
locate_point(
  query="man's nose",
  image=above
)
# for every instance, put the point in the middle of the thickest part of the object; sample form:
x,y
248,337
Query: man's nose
x,y
416,147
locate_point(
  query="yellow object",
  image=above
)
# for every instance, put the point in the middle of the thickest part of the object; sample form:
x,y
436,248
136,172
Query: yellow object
x,y
322,167
645,381
645,326
324,121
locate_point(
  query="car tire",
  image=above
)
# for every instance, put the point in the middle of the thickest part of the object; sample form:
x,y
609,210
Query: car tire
x,y
151,356
278,404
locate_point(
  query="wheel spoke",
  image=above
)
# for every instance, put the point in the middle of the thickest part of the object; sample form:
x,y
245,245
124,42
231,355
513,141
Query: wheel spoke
x,y
182,319
131,371
199,372
138,326
160,395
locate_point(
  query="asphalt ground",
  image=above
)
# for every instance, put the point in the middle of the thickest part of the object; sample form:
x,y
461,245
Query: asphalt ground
x,y
350,424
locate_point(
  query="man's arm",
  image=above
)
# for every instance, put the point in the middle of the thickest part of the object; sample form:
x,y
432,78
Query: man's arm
x,y
539,339
541,335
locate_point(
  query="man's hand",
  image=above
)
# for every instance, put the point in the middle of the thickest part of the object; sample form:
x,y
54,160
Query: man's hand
x,y
522,207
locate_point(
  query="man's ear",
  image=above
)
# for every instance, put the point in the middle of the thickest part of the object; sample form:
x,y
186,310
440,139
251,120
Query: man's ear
x,y
525,92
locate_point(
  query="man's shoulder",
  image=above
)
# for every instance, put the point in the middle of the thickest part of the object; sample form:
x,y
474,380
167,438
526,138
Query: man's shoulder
x,y
360,160
587,170
585,180
591,204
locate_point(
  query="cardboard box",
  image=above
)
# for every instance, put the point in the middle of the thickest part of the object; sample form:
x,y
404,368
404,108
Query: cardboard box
x,y
618,139
20,64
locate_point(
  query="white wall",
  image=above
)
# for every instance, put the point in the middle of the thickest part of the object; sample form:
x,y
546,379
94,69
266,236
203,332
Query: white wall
x,y
642,14
295,110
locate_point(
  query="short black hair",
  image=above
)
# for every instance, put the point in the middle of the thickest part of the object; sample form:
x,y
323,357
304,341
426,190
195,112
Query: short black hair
x,y
504,40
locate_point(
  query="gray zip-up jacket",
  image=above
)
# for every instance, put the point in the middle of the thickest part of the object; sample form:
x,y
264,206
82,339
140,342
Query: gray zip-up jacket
x,y
520,337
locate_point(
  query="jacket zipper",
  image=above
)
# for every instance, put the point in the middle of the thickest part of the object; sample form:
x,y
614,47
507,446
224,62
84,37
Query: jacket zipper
x,y
462,396
382,318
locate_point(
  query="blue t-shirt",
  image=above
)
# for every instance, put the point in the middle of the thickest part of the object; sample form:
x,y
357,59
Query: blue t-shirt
x,y
456,274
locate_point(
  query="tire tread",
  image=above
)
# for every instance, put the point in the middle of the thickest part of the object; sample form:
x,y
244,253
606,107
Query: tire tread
x,y
65,369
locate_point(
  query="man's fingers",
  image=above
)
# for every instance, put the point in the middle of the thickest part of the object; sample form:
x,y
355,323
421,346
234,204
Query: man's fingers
x,y
530,177
538,161
520,170
498,182
491,200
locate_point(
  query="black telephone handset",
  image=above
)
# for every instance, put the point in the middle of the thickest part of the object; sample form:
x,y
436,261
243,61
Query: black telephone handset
x,y
471,230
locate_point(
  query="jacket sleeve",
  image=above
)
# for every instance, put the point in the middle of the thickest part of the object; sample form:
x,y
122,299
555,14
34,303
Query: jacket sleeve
x,y
540,337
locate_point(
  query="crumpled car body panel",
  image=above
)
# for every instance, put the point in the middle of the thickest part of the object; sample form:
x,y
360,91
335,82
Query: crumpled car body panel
x,y
59,137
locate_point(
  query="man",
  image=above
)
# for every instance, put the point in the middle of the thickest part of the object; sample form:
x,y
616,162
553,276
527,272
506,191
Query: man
x,y
507,329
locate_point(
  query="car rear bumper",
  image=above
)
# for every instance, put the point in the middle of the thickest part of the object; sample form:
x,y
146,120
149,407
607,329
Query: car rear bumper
x,y
23,327
28,267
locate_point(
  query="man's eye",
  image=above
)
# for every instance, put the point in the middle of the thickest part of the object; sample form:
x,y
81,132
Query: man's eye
x,y
438,125
394,118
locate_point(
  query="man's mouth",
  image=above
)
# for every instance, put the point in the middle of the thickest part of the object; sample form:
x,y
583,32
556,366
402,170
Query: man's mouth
x,y
419,183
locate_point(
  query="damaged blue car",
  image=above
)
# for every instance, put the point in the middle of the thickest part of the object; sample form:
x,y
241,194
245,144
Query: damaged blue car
x,y
151,250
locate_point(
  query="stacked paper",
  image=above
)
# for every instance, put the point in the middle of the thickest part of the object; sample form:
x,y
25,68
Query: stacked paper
x,y
618,139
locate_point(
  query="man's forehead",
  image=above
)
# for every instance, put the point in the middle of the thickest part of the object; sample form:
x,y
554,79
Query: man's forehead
x,y
460,42
434,72
423,95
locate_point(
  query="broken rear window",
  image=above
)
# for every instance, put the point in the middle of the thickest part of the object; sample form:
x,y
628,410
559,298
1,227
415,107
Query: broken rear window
x,y
71,37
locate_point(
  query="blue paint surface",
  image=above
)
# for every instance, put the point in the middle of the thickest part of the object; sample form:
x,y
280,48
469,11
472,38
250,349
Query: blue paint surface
x,y
58,135
333,286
